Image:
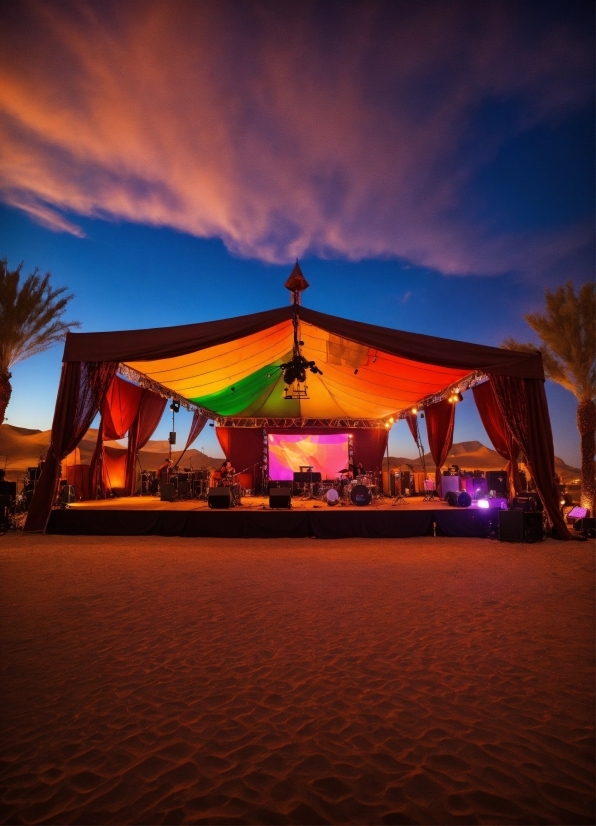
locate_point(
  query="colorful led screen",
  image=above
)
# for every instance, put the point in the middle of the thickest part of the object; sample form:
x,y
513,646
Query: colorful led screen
x,y
327,454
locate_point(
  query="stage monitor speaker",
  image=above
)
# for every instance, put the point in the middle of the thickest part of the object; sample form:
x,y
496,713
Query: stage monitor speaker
x,y
497,480
167,492
527,502
520,526
586,526
220,497
280,498
67,495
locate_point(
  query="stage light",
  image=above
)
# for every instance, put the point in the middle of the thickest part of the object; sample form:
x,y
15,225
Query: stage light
x,y
175,407
414,411
391,419
211,424
387,424
483,503
459,397
356,372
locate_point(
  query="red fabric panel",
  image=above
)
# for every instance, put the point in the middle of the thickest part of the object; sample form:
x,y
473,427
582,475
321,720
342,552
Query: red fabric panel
x,y
114,470
199,420
119,408
525,410
440,418
412,421
498,432
243,447
78,477
369,446
150,411
82,389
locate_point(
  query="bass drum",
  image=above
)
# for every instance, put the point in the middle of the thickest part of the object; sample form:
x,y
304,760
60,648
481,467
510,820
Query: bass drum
x,y
360,495
332,497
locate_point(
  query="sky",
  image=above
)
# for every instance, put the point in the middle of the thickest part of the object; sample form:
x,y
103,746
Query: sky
x,y
430,164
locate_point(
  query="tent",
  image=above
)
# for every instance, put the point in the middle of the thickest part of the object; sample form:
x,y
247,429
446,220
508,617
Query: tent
x,y
234,371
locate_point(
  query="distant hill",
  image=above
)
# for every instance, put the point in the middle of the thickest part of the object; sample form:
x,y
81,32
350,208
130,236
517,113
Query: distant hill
x,y
22,447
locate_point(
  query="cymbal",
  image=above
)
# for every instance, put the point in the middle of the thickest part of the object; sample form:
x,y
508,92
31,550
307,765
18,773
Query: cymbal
x,y
343,470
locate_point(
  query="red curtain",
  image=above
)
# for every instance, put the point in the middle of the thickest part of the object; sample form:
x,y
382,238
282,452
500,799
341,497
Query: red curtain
x,y
440,418
118,411
369,445
114,469
149,413
498,432
83,386
199,420
243,447
412,421
525,410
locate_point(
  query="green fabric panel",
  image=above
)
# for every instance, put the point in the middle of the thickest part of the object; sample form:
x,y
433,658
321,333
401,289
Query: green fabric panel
x,y
228,402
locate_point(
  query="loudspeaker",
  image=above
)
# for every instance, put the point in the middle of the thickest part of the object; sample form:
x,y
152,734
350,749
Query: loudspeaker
x,y
219,497
172,438
280,498
527,502
8,489
497,480
183,488
586,525
520,526
167,492
67,495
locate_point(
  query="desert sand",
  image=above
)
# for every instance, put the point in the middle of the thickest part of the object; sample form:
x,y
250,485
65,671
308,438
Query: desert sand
x,y
153,680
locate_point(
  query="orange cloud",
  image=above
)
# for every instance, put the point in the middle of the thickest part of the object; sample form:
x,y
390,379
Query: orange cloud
x,y
281,131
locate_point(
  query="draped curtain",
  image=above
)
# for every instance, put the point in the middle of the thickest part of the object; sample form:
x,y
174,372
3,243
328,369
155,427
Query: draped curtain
x,y
440,418
243,446
412,421
199,420
149,413
501,437
523,405
118,411
83,386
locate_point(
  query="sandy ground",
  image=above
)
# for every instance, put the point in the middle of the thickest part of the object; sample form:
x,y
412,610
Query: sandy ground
x,y
154,680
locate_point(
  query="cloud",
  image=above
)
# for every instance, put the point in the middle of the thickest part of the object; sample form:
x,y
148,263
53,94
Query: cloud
x,y
337,131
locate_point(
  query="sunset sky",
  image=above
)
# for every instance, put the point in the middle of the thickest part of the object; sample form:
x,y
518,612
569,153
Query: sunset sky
x,y
431,165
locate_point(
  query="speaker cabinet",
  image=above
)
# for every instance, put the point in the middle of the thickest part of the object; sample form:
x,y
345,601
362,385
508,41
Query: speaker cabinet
x,y
280,498
520,526
67,495
219,497
497,480
167,492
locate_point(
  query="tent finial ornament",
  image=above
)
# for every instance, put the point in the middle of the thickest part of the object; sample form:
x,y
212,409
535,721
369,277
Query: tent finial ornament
x,y
296,283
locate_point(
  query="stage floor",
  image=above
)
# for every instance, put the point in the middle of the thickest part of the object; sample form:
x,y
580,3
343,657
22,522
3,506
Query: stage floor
x,y
145,515
152,503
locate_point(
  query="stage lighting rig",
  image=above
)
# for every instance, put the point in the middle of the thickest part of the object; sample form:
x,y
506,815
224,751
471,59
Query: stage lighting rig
x,y
294,370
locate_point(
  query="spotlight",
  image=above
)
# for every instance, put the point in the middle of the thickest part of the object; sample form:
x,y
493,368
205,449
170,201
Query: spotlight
x,y
422,415
414,411
387,424
391,419
483,503
211,424
175,407
356,372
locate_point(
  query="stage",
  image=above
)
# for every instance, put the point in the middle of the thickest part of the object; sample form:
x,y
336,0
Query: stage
x,y
145,515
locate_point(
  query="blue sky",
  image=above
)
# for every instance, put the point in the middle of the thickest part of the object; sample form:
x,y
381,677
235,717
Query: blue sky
x,y
432,166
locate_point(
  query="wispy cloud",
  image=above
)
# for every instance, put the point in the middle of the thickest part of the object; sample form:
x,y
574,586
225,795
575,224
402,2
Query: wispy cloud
x,y
283,132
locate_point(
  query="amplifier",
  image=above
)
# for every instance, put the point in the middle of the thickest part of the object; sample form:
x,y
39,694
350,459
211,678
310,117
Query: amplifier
x,y
167,492
315,476
280,497
220,497
520,526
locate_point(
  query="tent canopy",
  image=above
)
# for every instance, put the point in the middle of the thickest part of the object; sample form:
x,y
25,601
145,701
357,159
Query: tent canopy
x,y
231,368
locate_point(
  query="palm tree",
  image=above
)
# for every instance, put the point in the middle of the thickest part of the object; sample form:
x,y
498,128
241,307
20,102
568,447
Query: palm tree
x,y
567,333
29,321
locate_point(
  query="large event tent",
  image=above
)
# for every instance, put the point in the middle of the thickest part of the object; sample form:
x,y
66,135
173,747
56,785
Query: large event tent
x,y
230,371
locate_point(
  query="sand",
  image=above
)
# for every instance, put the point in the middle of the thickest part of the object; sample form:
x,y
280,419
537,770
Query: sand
x,y
153,680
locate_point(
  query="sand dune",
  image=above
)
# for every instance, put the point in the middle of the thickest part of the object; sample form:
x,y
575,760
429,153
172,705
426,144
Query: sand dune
x,y
416,681
21,448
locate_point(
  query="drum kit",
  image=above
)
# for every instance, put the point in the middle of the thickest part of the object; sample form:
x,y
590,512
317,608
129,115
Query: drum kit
x,y
345,490
188,483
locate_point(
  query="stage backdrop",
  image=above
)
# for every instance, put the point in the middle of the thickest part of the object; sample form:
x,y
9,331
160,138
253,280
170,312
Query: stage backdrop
x,y
327,454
